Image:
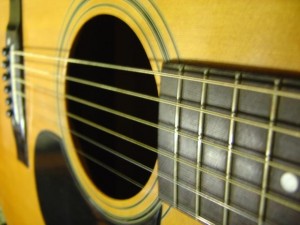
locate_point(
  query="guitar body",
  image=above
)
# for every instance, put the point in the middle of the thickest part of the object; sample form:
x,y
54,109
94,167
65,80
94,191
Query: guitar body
x,y
248,34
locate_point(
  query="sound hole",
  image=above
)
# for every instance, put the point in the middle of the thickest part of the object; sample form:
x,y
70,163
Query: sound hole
x,y
108,39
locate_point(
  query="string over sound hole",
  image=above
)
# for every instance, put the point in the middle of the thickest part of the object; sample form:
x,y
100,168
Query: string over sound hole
x,y
98,118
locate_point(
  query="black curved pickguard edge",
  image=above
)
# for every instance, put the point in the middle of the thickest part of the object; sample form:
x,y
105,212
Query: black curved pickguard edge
x,y
60,198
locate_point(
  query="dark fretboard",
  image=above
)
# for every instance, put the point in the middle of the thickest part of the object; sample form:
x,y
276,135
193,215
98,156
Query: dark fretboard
x,y
233,154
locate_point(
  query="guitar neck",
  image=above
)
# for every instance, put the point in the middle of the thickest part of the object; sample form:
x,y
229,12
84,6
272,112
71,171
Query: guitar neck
x,y
237,162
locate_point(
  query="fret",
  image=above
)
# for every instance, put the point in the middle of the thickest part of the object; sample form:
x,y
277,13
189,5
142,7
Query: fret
x,y
230,147
264,186
200,144
176,136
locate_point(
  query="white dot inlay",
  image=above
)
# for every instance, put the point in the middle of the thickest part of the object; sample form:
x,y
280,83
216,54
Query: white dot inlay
x,y
289,182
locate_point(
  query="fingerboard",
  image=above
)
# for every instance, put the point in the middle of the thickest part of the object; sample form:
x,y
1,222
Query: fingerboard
x,y
232,156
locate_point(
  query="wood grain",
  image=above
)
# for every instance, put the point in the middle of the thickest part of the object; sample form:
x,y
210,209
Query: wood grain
x,y
253,33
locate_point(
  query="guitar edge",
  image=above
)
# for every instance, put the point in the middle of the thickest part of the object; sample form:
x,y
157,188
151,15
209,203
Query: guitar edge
x,y
249,33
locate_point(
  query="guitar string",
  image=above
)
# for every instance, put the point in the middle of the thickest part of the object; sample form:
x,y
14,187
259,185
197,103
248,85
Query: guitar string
x,y
226,149
235,209
159,73
168,178
282,130
165,153
269,196
260,160
159,174
275,164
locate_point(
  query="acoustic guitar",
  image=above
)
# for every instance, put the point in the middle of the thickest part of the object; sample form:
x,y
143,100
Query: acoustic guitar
x,y
150,112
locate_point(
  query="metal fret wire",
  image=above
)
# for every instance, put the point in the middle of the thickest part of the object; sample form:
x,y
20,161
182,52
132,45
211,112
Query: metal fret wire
x,y
176,141
238,211
262,125
269,146
230,146
188,163
200,145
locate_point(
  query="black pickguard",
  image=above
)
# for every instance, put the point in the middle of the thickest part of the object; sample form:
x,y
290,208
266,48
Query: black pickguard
x,y
61,200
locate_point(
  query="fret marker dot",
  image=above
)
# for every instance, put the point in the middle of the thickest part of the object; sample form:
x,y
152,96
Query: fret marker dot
x,y
289,182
